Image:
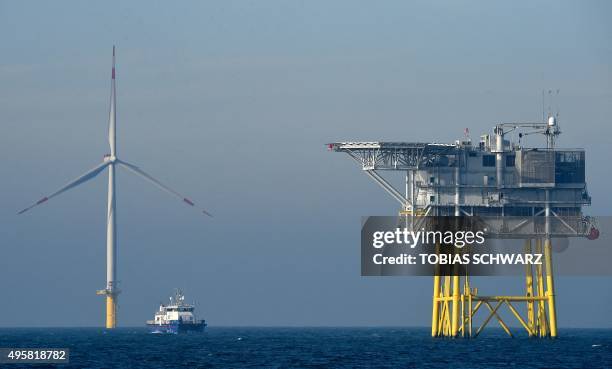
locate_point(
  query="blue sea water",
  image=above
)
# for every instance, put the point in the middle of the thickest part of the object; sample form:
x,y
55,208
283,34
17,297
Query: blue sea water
x,y
313,348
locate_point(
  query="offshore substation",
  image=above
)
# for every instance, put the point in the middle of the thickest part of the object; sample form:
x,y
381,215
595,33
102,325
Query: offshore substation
x,y
535,194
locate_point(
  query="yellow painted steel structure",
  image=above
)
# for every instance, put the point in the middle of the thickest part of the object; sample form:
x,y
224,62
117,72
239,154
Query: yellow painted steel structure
x,y
111,311
111,307
454,308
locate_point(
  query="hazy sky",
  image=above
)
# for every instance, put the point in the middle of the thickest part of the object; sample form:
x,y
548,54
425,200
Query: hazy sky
x,y
232,103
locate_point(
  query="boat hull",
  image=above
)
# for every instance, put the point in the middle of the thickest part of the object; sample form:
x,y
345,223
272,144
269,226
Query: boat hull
x,y
176,327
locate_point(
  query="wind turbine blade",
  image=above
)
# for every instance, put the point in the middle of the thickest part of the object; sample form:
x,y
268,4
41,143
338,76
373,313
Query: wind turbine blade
x,y
81,179
134,169
112,112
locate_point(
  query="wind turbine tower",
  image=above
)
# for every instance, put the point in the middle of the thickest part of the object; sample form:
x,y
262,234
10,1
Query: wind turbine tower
x,y
111,161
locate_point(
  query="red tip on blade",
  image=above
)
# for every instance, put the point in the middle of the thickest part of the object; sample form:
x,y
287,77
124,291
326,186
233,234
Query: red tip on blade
x,y
188,201
42,200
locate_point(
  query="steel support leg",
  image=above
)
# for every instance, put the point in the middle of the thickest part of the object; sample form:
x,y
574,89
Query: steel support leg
x,y
550,288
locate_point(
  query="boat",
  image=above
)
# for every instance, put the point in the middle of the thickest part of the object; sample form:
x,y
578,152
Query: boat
x,y
176,317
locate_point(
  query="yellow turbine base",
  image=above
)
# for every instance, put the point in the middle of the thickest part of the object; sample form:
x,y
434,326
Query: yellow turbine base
x,y
111,311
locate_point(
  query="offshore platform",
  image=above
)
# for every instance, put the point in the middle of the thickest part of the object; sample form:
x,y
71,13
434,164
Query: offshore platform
x,y
527,193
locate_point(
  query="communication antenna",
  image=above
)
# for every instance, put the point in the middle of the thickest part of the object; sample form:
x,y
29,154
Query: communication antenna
x,y
553,130
549,100
543,108
557,108
557,100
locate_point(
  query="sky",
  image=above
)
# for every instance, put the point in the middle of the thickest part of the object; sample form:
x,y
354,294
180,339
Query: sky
x,y
231,103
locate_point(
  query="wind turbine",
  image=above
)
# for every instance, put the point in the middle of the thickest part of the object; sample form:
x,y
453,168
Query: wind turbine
x,y
111,161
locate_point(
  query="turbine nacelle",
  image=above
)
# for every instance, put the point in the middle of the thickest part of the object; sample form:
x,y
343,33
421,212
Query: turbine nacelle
x,y
108,158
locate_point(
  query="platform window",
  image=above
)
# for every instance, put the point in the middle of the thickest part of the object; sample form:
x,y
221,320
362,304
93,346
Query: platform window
x,y
488,160
569,167
510,159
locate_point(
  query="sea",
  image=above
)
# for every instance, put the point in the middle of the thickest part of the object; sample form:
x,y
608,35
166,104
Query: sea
x,y
292,347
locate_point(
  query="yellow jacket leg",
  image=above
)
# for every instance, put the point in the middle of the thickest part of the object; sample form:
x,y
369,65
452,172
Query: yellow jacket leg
x,y
550,288
435,312
455,308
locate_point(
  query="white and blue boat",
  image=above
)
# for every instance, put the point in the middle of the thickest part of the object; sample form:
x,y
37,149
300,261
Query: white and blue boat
x,y
177,317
